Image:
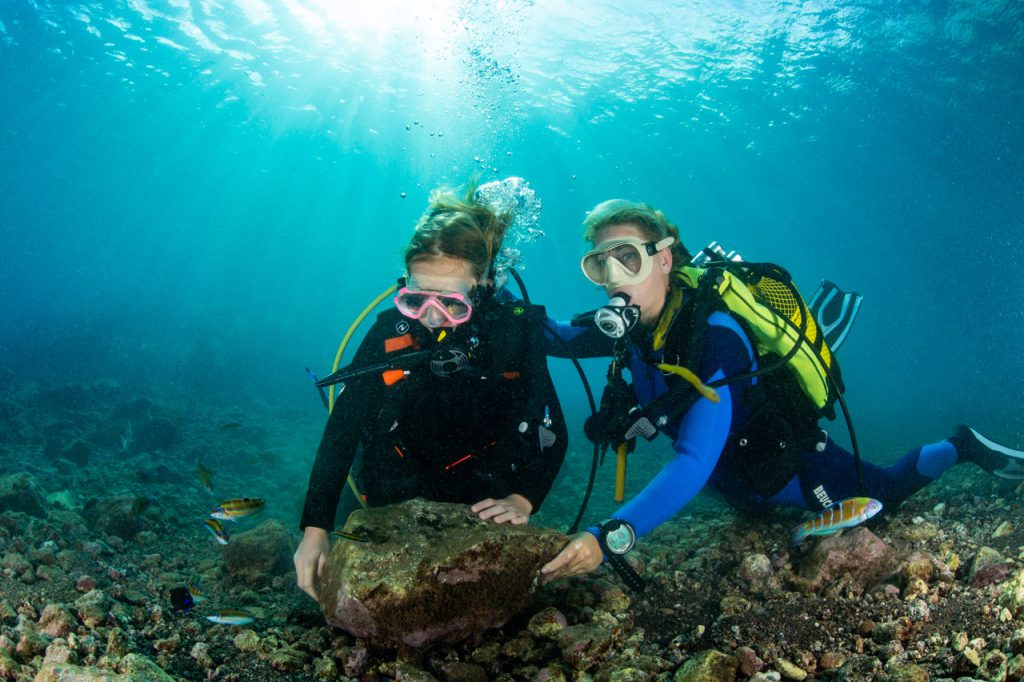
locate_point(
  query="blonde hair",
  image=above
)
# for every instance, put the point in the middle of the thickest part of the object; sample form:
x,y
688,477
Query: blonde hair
x,y
652,223
464,228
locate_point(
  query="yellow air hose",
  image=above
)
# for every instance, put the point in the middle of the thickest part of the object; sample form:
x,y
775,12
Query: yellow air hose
x,y
691,379
620,472
622,450
337,361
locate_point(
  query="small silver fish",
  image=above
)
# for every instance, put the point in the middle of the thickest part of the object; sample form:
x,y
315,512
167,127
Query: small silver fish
x,y
231,617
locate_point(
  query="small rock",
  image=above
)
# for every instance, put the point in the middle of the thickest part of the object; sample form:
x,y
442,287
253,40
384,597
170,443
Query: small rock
x,y
16,563
734,605
907,673
749,662
790,671
59,653
93,608
85,583
919,565
57,621
31,644
919,532
118,642
831,660
859,668
168,645
247,640
201,653
1003,529
756,569
918,610
458,671
586,645
708,666
547,623
138,668
288,659
988,567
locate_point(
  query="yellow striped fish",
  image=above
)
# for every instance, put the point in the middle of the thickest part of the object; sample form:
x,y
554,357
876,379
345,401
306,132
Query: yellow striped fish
x,y
217,528
195,589
231,510
843,514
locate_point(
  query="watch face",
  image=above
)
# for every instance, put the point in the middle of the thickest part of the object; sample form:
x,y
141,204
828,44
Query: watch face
x,y
619,538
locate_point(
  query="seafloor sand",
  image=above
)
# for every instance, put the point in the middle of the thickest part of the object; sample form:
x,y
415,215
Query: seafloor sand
x,y
727,598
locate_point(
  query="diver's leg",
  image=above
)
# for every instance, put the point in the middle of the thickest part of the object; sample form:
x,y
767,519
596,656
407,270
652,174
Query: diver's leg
x,y
994,458
830,476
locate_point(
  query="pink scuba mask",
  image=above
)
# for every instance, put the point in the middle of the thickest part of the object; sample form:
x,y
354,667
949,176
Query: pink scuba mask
x,y
453,306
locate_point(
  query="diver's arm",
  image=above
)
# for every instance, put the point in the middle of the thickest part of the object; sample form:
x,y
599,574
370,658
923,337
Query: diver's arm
x,y
333,460
342,434
563,340
702,435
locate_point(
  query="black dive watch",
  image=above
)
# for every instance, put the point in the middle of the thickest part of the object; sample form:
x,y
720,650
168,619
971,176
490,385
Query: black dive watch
x,y
617,537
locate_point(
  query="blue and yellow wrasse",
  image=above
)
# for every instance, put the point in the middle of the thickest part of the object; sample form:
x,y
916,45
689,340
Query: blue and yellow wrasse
x,y
232,509
231,617
843,514
217,528
195,590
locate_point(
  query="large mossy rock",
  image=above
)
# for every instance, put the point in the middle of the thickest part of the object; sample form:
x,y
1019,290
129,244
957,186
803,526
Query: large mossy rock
x,y
430,572
259,555
21,493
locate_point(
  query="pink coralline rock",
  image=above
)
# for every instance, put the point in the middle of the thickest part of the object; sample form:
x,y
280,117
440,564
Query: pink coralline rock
x,y
422,572
856,553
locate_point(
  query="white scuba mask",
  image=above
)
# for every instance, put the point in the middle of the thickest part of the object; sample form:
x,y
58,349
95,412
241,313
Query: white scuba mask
x,y
624,261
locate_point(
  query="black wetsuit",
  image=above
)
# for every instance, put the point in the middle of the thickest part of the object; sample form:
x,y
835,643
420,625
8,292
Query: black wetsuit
x,y
463,424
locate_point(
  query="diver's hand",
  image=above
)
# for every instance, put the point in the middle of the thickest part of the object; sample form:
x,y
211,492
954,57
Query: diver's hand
x,y
581,554
514,509
310,558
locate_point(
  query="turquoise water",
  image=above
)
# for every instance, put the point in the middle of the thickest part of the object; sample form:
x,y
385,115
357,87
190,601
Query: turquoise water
x,y
199,196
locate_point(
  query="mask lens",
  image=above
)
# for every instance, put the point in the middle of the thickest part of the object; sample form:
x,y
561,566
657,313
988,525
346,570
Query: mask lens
x,y
456,307
596,264
593,267
629,256
411,301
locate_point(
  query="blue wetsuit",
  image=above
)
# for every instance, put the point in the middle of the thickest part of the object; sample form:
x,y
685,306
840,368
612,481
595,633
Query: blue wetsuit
x,y
700,434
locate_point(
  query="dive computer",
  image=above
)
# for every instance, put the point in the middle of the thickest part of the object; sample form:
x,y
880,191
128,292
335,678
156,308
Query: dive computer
x,y
616,538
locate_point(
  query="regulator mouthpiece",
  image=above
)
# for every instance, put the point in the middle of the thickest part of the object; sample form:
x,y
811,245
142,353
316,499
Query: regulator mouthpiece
x,y
617,318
